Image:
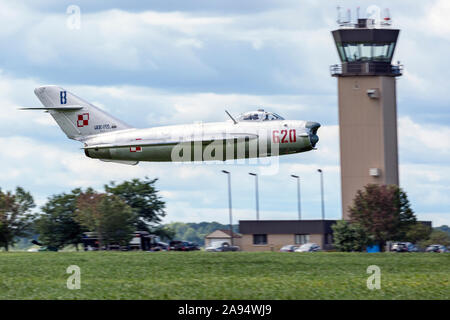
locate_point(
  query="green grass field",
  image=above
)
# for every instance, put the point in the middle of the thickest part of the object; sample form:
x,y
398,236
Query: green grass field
x,y
230,275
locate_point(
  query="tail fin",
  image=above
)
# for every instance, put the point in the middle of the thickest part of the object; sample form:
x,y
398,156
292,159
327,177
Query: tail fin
x,y
76,117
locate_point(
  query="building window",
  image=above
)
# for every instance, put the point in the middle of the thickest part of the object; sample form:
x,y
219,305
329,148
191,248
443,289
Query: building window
x,y
260,239
301,238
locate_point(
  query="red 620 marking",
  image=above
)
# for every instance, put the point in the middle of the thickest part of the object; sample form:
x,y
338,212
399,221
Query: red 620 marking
x,y
283,137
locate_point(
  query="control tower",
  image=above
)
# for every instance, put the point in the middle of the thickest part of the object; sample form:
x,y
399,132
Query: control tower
x,y
367,105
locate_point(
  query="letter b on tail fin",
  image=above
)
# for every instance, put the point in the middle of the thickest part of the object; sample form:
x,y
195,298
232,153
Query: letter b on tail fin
x,y
75,116
63,97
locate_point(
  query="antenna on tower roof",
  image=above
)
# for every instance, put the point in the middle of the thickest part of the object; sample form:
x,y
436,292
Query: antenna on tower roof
x,y
387,17
349,16
339,18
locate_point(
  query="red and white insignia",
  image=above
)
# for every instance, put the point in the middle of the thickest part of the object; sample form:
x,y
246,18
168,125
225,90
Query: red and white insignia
x,y
136,149
83,120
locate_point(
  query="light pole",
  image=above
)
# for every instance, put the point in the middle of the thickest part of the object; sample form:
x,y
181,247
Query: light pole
x,y
256,193
229,205
321,192
298,196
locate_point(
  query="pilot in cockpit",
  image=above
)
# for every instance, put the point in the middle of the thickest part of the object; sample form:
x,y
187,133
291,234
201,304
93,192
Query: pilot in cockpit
x,y
259,115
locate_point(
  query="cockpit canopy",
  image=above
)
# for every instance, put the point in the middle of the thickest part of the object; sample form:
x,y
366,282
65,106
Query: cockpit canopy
x,y
259,115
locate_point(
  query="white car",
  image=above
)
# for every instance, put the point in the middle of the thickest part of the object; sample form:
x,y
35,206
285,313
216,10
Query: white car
x,y
225,246
308,247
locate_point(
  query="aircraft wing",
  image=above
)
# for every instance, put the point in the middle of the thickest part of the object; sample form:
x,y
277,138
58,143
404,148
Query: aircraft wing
x,y
160,142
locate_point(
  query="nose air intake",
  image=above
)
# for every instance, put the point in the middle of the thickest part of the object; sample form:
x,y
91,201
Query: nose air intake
x,y
313,127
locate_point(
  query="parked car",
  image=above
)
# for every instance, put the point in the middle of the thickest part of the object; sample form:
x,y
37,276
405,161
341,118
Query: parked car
x,y
177,245
412,247
192,246
308,247
436,248
222,247
160,246
289,248
399,247
403,247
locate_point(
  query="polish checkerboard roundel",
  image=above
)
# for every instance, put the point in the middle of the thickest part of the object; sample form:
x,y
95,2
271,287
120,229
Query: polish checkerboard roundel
x,y
83,120
136,149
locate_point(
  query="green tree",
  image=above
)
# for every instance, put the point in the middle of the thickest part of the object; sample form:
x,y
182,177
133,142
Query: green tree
x,y
437,237
56,225
383,211
444,228
407,222
15,216
107,215
417,232
142,196
191,235
164,232
349,237
118,220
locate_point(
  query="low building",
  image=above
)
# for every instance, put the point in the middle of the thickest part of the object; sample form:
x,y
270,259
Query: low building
x,y
271,235
220,236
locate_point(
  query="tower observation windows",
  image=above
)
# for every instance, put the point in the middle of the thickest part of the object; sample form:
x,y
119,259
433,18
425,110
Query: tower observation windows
x,y
365,51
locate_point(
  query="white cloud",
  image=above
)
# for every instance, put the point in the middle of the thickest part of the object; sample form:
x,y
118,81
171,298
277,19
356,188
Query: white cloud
x,y
180,44
11,17
436,19
426,143
429,183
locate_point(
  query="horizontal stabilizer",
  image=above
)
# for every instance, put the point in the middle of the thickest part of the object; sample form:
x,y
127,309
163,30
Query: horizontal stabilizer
x,y
65,108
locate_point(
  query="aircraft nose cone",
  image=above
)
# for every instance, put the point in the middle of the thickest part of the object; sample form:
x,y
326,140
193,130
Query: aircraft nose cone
x,y
313,127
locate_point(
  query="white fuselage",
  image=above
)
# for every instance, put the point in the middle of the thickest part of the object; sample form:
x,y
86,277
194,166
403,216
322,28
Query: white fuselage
x,y
202,141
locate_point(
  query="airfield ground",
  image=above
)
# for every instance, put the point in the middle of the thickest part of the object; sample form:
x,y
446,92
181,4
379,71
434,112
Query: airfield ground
x,y
230,275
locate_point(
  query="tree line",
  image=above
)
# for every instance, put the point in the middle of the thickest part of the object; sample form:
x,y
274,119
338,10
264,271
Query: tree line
x,y
113,214
379,213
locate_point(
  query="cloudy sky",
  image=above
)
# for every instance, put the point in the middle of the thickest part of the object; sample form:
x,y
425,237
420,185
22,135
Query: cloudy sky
x,y
174,62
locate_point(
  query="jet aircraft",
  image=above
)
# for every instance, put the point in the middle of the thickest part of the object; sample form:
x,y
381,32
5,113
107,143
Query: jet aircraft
x,y
250,135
